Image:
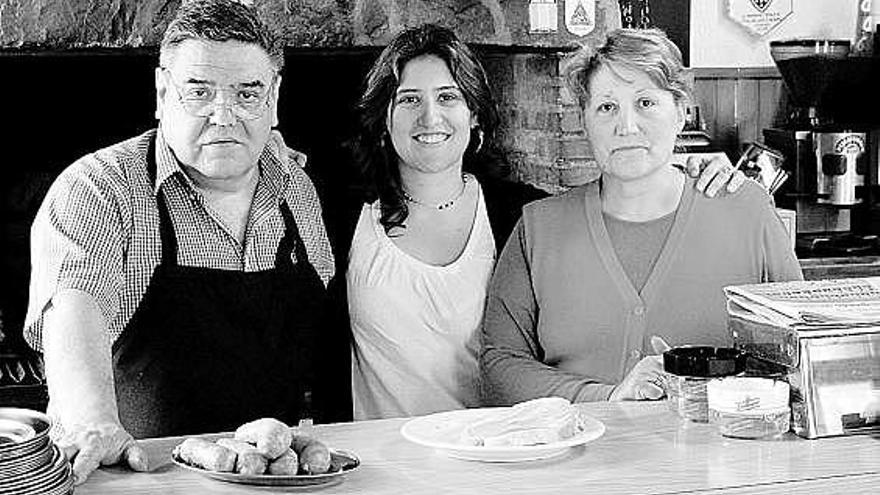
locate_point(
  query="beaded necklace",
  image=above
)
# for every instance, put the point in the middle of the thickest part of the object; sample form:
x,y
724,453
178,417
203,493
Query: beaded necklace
x,y
441,206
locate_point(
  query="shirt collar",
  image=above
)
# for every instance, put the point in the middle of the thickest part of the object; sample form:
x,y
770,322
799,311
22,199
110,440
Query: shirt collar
x,y
275,164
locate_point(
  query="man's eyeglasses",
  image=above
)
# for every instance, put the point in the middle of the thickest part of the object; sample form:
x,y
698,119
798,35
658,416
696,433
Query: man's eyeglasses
x,y
201,100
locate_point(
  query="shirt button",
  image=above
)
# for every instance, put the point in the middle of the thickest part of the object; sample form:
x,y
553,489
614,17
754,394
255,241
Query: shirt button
x,y
639,310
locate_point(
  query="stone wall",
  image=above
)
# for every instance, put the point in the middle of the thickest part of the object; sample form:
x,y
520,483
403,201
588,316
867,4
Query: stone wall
x,y
540,131
54,24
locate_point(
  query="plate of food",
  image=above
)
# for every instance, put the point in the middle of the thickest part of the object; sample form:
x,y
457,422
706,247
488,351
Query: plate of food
x,y
528,431
265,452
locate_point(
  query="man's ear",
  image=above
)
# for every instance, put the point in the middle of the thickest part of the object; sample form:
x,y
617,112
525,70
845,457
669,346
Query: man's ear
x,y
161,88
276,93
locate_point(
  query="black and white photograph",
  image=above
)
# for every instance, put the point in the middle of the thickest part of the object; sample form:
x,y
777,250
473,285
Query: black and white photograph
x,y
440,247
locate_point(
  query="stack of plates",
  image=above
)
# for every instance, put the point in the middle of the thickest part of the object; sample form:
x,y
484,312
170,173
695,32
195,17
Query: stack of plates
x,y
29,462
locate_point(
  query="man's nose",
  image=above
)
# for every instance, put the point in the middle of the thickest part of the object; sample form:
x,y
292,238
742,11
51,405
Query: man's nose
x,y
626,121
222,113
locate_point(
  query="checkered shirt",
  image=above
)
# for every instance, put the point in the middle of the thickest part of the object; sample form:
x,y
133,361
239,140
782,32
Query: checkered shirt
x,y
97,231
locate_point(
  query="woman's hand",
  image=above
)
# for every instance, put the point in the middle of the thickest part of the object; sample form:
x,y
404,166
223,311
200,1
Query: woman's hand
x,y
715,172
100,444
643,382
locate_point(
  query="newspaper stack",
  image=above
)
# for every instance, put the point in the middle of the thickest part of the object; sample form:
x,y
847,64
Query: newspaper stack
x,y
849,302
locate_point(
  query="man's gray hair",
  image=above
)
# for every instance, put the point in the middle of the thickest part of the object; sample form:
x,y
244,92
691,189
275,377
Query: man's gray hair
x,y
219,20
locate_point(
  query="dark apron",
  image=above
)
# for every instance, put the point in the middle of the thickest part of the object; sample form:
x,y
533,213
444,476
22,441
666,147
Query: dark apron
x,y
208,349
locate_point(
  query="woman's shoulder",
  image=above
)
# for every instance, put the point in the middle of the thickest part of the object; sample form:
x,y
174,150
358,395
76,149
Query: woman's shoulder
x,y
571,200
750,197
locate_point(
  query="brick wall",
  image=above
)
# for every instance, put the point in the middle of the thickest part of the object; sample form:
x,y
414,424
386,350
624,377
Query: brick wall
x,y
541,130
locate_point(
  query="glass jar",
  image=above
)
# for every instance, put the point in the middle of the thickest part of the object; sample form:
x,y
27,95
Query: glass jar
x,y
686,396
749,407
689,370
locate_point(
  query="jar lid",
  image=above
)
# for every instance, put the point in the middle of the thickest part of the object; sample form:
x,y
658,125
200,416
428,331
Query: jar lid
x,y
747,394
704,361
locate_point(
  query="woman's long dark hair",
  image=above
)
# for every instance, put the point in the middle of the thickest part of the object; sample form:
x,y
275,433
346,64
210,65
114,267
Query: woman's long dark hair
x,y
373,150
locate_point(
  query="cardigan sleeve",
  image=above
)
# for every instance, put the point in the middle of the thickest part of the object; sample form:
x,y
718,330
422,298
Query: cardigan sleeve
x,y
511,366
780,262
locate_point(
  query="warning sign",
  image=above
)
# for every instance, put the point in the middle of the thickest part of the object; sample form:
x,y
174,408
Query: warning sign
x,y
580,16
759,16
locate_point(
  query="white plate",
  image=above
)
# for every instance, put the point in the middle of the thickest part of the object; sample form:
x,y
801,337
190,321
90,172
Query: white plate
x,y
442,430
341,463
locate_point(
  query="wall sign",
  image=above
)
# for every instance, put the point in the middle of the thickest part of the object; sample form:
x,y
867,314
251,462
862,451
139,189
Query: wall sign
x,y
580,16
759,16
543,16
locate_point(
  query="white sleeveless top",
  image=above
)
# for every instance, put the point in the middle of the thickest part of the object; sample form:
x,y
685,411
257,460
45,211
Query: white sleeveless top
x,y
415,325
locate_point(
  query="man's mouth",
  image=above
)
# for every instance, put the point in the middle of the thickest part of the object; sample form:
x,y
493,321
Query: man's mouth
x,y
221,142
631,147
432,137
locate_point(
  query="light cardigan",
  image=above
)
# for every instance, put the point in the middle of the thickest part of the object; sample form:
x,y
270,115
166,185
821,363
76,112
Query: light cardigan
x,y
562,318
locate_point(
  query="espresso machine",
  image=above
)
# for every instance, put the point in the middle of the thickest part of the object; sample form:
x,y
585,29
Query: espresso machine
x,y
830,145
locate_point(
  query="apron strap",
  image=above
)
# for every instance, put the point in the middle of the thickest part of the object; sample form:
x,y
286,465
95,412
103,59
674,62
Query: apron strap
x,y
166,227
292,241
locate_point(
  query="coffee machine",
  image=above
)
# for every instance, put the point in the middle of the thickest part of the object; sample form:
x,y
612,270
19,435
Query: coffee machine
x,y
830,144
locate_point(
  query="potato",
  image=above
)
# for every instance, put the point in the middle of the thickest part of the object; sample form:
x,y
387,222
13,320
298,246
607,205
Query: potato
x,y
206,455
287,464
272,437
314,456
248,460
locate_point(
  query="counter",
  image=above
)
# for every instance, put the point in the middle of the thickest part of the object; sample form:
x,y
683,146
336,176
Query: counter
x,y
646,449
843,267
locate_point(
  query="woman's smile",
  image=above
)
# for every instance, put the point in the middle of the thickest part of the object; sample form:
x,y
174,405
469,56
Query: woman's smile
x,y
430,138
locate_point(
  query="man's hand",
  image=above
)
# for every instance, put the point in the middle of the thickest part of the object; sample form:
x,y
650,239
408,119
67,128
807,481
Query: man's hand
x,y
94,445
715,172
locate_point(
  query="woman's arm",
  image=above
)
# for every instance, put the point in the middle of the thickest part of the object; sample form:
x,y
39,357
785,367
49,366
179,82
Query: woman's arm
x,y
780,262
511,355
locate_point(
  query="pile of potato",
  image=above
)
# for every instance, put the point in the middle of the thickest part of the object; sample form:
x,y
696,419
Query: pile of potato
x,y
264,446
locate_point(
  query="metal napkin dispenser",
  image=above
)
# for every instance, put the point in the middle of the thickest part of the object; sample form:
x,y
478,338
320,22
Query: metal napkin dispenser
x,y
834,373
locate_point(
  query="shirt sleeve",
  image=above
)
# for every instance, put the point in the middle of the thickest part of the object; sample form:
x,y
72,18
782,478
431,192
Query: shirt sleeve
x,y
780,262
511,355
77,241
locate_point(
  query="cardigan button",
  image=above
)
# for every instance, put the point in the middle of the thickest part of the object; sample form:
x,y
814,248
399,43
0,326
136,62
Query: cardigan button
x,y
639,310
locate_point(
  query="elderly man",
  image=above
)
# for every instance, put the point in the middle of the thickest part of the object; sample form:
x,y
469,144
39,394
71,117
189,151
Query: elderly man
x,y
180,276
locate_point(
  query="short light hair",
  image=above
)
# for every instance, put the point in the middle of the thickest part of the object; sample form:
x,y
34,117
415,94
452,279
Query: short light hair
x,y
219,20
646,50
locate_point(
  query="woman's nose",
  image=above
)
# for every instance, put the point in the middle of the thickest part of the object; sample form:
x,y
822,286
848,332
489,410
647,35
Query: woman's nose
x,y
431,113
626,121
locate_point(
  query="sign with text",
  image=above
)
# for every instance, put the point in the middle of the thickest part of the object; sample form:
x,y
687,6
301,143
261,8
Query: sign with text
x,y
759,16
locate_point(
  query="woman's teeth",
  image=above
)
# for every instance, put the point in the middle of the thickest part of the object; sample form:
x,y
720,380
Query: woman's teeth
x,y
431,138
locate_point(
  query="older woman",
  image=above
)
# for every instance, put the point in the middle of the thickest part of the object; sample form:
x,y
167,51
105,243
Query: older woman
x,y
424,243
588,277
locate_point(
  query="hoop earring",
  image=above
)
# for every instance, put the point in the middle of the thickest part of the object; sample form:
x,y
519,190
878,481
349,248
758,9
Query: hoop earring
x,y
479,141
